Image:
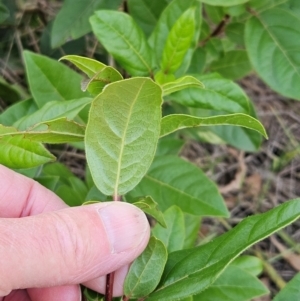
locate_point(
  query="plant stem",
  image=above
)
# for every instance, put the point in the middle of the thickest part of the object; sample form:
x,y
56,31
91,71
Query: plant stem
x,y
109,286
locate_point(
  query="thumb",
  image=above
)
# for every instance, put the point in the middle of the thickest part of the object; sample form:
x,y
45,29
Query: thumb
x,y
69,246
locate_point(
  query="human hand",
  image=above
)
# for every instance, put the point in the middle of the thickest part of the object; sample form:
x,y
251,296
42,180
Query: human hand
x,y
47,248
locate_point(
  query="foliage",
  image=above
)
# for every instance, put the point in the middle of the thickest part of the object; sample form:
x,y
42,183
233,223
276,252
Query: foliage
x,y
165,70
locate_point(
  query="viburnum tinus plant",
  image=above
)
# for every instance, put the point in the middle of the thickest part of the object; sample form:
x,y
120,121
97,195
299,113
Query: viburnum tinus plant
x,y
126,116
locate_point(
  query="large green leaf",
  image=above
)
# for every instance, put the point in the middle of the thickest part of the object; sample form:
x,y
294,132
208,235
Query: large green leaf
x,y
145,272
261,5
251,264
72,21
181,84
220,94
54,131
174,234
122,134
233,285
53,110
272,42
192,226
18,152
123,39
224,3
146,12
173,181
178,42
169,146
17,111
233,65
50,80
168,18
174,122
290,292
189,272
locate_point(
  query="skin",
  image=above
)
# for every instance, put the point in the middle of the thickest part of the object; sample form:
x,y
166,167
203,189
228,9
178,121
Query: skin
x,y
48,249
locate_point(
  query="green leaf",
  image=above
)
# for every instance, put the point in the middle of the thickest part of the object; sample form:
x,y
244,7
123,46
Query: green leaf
x,y
169,146
72,21
291,291
145,272
10,93
50,80
173,234
18,152
181,84
122,134
233,285
168,18
146,12
4,13
99,74
235,32
250,264
224,3
214,13
192,226
198,61
53,110
272,39
189,272
233,65
173,181
220,94
261,5
174,122
54,131
124,40
149,206
178,42
17,111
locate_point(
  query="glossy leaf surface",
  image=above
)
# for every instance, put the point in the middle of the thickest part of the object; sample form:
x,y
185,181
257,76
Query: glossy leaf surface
x,y
173,234
18,152
233,285
50,80
173,181
181,84
124,40
122,134
72,21
53,110
272,42
145,272
174,122
291,291
191,271
149,206
178,42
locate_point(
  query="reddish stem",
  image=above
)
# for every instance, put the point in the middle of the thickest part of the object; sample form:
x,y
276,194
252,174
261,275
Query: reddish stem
x,y
109,286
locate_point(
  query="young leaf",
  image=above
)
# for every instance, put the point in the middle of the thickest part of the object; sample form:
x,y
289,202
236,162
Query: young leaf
x,y
149,206
145,272
173,234
181,84
18,152
272,38
224,3
17,111
220,94
146,12
173,181
122,134
233,65
54,131
291,291
174,122
123,39
99,74
178,42
234,284
189,272
50,80
53,110
72,21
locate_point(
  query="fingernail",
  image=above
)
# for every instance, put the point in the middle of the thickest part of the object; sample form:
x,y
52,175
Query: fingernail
x,y
126,226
